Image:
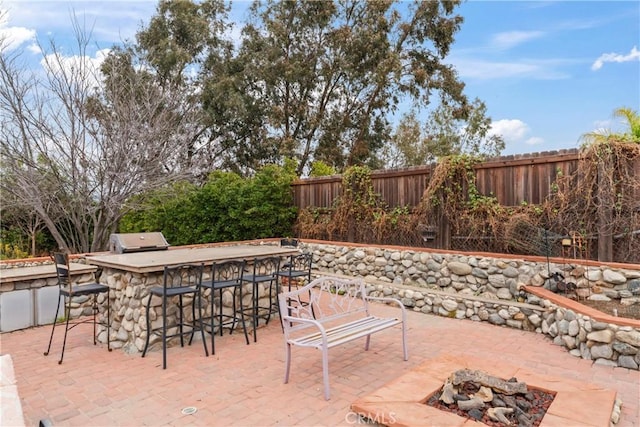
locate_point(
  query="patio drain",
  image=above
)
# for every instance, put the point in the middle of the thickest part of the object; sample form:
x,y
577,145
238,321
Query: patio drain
x,y
189,410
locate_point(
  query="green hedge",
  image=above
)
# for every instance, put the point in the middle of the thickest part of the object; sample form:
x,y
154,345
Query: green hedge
x,y
226,208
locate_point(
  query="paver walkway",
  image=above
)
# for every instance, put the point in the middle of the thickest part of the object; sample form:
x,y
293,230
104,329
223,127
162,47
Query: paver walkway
x,y
242,385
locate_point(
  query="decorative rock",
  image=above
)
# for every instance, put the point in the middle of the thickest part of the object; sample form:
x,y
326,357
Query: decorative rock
x,y
496,319
583,293
504,293
475,414
627,362
574,328
593,275
614,277
479,273
601,352
447,393
459,268
519,316
510,272
604,336
629,337
563,327
449,305
569,342
615,414
535,320
515,324
467,405
485,394
506,387
499,414
624,348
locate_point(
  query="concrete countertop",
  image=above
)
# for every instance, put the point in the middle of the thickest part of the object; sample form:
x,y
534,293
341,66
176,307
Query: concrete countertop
x,y
150,261
19,274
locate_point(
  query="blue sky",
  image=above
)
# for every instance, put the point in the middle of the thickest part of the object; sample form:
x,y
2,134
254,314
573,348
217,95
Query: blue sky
x,y
548,71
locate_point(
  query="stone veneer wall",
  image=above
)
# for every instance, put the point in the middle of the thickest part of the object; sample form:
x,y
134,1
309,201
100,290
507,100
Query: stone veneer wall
x,y
462,286
130,294
483,288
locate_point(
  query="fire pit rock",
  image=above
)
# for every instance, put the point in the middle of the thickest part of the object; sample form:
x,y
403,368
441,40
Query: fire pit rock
x,y
494,401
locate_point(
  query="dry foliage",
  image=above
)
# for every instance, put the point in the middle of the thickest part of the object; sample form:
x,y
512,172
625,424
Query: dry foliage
x,y
605,187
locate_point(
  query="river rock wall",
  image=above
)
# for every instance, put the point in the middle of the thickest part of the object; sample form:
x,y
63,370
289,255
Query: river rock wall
x,y
487,289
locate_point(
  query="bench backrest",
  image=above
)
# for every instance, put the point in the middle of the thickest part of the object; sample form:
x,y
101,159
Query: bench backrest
x,y
325,298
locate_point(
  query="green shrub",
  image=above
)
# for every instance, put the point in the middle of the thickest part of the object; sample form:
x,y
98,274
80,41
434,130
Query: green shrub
x,y
226,208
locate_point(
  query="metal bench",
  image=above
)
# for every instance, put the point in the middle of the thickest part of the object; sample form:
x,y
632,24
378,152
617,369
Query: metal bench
x,y
329,312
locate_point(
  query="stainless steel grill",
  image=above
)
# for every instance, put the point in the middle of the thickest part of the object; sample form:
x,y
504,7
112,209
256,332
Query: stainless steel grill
x,y
137,242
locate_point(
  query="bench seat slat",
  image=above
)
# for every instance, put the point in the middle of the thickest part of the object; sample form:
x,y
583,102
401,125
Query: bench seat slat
x,y
347,332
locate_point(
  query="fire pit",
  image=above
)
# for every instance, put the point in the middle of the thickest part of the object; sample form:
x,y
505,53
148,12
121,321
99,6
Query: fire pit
x,y
404,401
491,400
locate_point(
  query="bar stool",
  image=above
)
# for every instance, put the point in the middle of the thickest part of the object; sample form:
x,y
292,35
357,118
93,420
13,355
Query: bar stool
x,y
66,292
225,276
264,273
297,267
179,281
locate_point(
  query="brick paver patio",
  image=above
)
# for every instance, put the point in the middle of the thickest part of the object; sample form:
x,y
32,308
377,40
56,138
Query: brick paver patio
x,y
242,385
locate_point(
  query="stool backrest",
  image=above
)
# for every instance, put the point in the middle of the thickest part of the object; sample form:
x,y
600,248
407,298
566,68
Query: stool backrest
x,y
183,276
301,262
227,271
62,269
266,266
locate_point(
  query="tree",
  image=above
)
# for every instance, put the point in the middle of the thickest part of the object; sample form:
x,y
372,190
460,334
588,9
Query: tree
x,y
317,80
632,121
185,48
443,134
74,151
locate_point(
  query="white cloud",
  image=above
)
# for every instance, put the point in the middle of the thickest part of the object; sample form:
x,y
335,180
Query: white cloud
x,y
534,140
77,64
34,48
13,37
488,70
634,55
514,131
510,39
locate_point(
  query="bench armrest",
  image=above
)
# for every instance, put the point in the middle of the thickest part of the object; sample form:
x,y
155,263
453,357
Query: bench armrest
x,y
393,301
288,323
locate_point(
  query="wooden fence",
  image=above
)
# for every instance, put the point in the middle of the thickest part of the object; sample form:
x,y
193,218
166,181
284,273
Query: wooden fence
x,y
511,179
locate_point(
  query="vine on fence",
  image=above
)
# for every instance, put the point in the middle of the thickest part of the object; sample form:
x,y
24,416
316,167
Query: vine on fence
x,y
607,176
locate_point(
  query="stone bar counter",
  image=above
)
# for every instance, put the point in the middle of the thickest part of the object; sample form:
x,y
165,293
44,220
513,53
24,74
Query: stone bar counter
x,y
130,275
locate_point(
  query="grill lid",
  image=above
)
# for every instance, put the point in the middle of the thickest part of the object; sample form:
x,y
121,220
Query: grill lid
x,y
137,242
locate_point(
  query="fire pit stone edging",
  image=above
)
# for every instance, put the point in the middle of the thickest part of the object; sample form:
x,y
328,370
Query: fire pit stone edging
x,y
401,402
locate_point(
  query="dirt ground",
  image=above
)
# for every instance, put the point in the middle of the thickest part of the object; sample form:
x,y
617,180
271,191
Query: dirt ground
x,y
613,306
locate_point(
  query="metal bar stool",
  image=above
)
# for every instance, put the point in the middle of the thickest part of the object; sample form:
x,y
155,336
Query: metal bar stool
x,y
178,282
263,276
225,276
67,291
297,267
